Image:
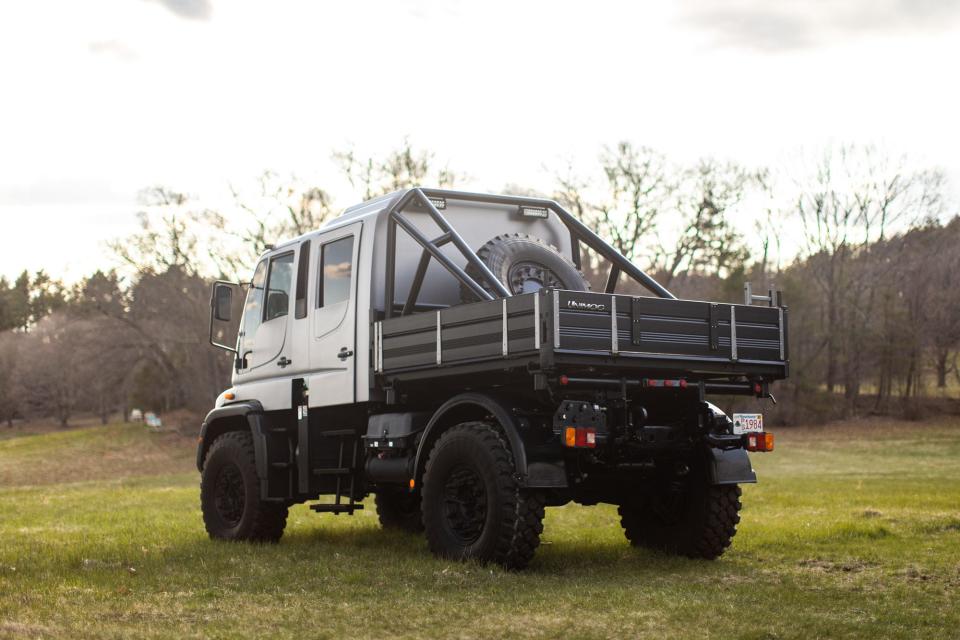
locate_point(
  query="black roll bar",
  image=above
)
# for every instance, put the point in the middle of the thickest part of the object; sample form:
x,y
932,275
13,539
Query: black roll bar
x,y
579,232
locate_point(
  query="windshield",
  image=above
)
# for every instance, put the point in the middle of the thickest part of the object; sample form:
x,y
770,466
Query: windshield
x,y
253,309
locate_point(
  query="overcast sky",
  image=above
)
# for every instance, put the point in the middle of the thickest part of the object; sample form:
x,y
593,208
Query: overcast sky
x,y
103,97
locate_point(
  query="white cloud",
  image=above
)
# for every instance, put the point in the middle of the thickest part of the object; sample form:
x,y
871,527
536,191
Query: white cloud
x,y
793,24
190,9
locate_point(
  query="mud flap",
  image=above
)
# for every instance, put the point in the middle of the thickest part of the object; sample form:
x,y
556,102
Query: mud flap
x,y
730,466
546,475
260,452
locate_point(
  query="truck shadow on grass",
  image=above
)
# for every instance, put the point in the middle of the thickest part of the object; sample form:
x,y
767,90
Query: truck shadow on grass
x,y
356,544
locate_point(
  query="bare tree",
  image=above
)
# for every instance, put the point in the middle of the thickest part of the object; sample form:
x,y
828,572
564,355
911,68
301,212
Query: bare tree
x,y
940,318
402,168
165,240
9,400
855,196
707,241
48,383
280,208
639,184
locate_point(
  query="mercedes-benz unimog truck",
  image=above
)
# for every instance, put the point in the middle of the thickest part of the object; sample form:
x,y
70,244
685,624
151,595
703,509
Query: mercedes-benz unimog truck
x,y
443,352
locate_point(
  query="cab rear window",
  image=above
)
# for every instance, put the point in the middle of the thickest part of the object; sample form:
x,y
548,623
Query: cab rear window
x,y
336,271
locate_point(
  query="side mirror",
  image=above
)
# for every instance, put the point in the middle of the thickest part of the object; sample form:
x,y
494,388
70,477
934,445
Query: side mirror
x,y
222,302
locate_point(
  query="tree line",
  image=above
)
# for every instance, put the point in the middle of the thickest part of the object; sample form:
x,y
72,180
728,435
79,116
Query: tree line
x,y
861,244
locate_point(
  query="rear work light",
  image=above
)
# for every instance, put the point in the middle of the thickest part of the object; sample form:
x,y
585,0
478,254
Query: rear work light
x,y
580,437
758,441
534,212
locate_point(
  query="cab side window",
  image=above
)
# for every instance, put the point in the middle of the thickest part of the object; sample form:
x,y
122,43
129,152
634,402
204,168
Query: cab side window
x,y
279,284
253,308
336,270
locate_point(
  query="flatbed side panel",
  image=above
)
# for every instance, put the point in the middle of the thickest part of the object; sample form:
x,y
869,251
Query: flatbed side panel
x,y
675,328
758,333
520,324
409,341
466,332
684,328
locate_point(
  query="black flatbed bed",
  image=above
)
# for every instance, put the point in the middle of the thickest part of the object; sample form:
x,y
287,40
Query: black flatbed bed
x,y
574,333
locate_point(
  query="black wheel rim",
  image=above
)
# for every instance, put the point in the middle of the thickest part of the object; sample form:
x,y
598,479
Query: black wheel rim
x,y
465,504
229,494
667,507
530,277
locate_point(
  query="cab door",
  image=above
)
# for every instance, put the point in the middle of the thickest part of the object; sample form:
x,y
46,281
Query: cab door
x,y
333,318
263,334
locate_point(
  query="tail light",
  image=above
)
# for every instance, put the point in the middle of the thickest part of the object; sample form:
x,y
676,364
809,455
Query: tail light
x,y
661,383
758,441
580,437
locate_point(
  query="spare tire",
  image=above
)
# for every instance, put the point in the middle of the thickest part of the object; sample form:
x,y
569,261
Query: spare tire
x,y
524,264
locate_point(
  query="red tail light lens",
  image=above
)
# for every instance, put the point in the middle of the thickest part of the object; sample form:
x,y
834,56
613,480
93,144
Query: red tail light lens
x,y
758,441
580,437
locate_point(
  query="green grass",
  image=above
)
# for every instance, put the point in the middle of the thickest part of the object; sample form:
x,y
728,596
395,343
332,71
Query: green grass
x,y
851,533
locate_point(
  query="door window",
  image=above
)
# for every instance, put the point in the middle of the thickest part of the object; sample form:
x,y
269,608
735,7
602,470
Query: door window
x,y
303,273
336,269
253,308
279,284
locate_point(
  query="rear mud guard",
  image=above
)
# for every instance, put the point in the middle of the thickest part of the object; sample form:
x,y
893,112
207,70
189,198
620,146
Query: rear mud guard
x,y
538,475
730,466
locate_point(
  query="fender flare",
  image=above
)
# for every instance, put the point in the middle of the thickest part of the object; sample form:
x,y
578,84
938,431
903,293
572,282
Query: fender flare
x,y
729,466
464,403
251,412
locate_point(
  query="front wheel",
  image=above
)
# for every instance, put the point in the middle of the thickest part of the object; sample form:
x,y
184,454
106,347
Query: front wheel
x,y
473,506
697,520
230,493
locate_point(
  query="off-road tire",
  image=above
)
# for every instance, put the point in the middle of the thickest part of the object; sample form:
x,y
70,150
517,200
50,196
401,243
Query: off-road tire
x,y
704,528
509,518
230,493
399,509
522,264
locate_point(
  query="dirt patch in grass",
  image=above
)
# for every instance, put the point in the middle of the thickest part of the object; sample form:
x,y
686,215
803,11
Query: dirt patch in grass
x,y
93,453
832,566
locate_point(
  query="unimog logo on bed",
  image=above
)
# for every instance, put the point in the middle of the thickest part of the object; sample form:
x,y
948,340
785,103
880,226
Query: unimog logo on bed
x,y
586,306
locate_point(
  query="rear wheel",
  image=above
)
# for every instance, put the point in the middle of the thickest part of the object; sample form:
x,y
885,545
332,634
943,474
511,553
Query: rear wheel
x,y
697,520
473,506
230,493
399,509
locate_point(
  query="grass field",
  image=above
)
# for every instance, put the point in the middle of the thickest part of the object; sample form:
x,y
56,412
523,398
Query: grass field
x,y
853,531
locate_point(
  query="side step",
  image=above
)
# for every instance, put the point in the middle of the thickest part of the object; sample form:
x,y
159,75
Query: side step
x,y
344,471
336,508
346,467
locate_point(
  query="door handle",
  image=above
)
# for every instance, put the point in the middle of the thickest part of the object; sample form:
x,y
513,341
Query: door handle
x,y
344,353
283,362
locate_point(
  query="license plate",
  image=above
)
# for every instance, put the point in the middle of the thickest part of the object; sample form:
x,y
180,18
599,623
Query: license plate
x,y
747,422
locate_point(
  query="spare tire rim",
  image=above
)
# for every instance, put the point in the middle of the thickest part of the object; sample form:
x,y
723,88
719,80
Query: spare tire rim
x,y
229,494
530,277
465,504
